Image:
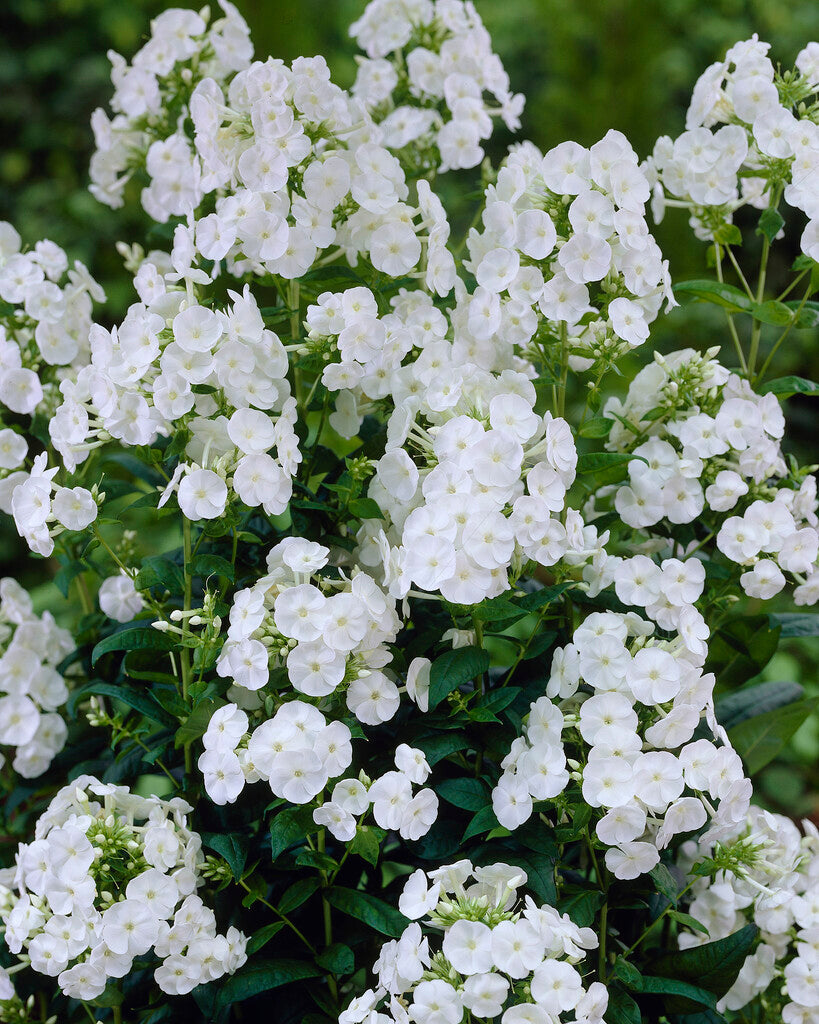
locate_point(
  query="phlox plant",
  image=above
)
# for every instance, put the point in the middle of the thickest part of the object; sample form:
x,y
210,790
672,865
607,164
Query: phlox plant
x,y
411,598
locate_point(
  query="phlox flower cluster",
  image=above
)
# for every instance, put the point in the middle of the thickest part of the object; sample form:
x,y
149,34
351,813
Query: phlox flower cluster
x,y
111,877
32,691
299,168
149,136
43,334
324,636
618,717
766,873
565,245
42,508
431,81
140,385
709,449
749,137
486,952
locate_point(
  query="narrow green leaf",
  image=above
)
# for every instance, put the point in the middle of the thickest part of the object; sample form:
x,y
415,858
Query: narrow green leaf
x,y
796,624
784,387
261,976
230,846
380,916
134,638
749,701
338,959
758,740
713,966
298,893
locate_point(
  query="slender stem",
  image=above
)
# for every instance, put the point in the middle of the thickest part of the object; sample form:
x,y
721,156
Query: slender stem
x,y
564,370
117,1015
84,594
601,961
279,914
185,654
327,915
732,328
756,330
294,302
738,269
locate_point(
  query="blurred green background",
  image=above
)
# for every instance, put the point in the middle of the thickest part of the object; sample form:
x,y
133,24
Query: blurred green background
x,y
584,65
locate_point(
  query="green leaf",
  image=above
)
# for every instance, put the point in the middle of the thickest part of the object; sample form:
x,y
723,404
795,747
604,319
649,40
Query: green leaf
x,y
685,989
713,966
441,744
741,648
484,821
158,571
212,565
288,827
67,574
540,869
230,846
454,668
787,386
196,724
771,223
591,462
597,426
726,295
807,313
582,906
750,701
337,959
545,596
497,609
380,916
665,882
728,234
140,700
796,624
468,794
298,893
261,976
758,740
628,974
263,936
365,508
134,638
367,844
622,1009
688,921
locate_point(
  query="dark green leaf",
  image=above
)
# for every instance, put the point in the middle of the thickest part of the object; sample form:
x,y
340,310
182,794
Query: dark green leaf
x,y
728,234
134,638
468,794
758,740
365,508
158,571
622,1009
665,882
771,223
211,565
749,701
713,966
796,624
298,893
337,959
380,916
787,386
582,907
366,843
454,668
140,700
263,936
591,462
261,976
230,846
196,724
484,821
685,989
288,827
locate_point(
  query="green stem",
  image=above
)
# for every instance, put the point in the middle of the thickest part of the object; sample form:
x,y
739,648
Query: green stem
x,y
740,275
327,915
560,405
756,330
732,327
185,654
601,961
656,921
294,303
